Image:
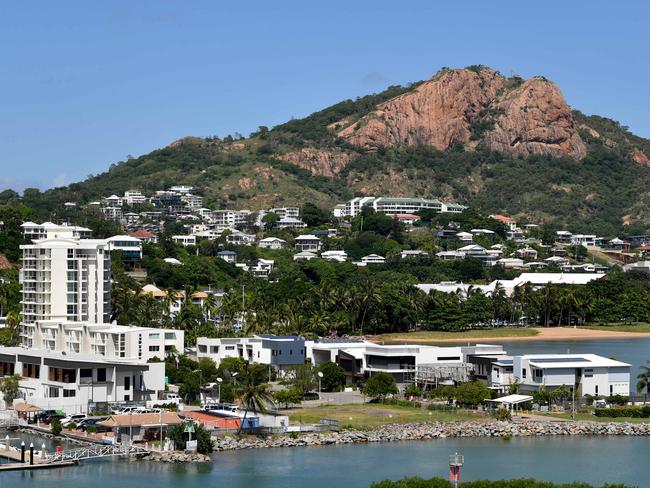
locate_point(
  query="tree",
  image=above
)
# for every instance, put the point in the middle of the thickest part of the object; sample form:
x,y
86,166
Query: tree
x,y
380,385
9,387
314,216
269,220
473,393
253,396
302,378
643,380
290,396
333,376
204,444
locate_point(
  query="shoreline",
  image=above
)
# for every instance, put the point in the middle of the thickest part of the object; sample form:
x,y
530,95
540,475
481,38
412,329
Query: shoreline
x,y
543,334
440,430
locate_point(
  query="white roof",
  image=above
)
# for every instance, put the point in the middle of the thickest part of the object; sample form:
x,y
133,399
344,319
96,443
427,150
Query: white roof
x,y
555,361
512,399
307,237
471,247
172,261
123,238
272,239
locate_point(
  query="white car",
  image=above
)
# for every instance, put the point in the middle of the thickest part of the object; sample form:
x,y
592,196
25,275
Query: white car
x,y
72,419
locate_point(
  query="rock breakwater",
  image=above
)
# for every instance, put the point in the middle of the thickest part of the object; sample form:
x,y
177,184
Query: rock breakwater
x,y
437,430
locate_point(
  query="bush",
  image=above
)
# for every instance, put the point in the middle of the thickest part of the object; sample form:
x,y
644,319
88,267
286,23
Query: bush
x,y
178,435
91,429
631,412
441,407
56,427
502,414
71,426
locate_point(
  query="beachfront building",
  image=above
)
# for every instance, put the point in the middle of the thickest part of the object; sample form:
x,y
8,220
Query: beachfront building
x,y
360,359
65,278
130,247
279,352
591,374
74,383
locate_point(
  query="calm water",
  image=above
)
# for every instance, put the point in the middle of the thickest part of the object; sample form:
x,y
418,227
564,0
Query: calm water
x,y
593,460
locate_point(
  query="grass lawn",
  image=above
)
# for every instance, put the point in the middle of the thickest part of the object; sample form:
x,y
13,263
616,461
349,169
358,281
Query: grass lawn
x,y
437,335
636,327
593,418
363,416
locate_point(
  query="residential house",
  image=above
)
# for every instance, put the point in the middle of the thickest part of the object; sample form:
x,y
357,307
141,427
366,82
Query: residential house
x,y
228,256
272,243
307,242
304,256
338,256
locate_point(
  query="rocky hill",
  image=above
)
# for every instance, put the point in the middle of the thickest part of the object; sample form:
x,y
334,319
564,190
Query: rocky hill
x,y
471,135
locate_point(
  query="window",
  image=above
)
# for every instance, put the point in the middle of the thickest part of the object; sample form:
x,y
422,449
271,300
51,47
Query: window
x,y
538,374
611,390
589,373
69,393
31,370
449,358
53,392
101,374
170,335
523,373
154,335
230,348
62,375
596,390
85,373
127,382
155,348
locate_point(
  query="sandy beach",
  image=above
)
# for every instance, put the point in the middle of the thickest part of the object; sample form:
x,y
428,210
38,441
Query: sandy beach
x,y
543,334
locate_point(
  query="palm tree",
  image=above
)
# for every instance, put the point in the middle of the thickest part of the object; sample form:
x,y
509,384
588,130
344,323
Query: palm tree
x,y
369,298
643,380
252,396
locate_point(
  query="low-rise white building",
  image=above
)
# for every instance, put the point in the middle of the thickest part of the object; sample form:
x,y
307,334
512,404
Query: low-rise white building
x,y
73,382
589,373
307,242
184,240
363,358
337,256
272,243
105,340
279,352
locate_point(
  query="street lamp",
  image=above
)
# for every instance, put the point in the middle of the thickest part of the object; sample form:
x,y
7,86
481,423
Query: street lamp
x,y
200,384
320,377
219,381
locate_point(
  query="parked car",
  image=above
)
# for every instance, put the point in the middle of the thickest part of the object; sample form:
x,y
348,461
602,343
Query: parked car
x,y
85,424
601,403
72,419
48,416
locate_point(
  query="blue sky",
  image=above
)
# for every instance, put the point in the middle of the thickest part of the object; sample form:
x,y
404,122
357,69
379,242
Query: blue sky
x,y
84,84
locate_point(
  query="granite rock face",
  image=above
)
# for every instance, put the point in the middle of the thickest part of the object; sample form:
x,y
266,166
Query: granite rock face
x,y
472,106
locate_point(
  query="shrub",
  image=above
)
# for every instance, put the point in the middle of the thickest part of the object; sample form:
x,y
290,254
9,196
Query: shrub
x,y
71,426
631,412
91,429
56,427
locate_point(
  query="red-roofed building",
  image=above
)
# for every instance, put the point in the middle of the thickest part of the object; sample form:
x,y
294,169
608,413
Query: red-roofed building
x,y
508,221
144,236
408,219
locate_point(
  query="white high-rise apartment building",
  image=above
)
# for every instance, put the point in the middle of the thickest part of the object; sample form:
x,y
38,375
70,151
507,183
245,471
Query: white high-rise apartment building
x,y
67,279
